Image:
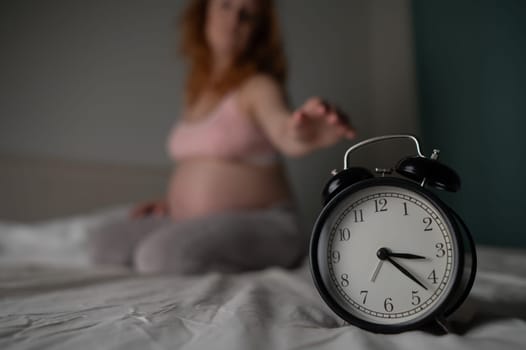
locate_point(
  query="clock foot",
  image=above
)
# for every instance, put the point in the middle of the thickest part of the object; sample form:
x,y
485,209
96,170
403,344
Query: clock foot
x,y
440,326
443,324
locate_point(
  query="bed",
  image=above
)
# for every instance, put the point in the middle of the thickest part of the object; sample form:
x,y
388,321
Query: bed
x,y
51,298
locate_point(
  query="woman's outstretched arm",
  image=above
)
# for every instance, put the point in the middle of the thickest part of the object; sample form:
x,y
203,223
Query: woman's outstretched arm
x,y
314,125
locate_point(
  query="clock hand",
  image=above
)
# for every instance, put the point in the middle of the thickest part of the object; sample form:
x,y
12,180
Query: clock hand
x,y
385,254
405,256
405,272
375,273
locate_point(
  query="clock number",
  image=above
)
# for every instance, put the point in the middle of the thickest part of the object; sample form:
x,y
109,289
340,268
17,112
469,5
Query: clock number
x,y
345,234
380,205
358,215
388,306
364,294
344,280
335,256
415,299
433,277
428,221
405,209
441,252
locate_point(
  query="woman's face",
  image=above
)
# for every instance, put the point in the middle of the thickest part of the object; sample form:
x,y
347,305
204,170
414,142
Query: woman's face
x,y
229,26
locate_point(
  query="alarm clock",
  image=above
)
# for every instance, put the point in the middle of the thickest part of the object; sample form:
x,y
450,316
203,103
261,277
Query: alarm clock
x,y
386,254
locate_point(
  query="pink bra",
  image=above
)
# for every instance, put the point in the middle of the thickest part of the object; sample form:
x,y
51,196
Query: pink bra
x,y
224,133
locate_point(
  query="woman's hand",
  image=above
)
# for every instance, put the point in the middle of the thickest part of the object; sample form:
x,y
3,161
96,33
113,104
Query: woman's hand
x,y
318,124
155,208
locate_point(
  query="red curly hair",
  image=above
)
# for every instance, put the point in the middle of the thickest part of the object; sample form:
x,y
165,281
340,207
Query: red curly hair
x,y
264,54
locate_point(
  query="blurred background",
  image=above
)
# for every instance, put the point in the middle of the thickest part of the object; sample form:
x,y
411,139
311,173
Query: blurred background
x,y
89,90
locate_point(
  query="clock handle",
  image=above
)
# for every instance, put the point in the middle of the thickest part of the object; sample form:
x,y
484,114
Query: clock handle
x,y
378,139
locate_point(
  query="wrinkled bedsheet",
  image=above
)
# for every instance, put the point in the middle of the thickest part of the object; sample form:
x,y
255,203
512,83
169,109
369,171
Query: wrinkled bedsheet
x,y
61,305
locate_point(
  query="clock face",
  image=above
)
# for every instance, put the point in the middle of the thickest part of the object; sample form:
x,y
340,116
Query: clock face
x,y
387,255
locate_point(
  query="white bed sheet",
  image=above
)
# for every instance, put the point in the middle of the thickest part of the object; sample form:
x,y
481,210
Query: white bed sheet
x,y
52,306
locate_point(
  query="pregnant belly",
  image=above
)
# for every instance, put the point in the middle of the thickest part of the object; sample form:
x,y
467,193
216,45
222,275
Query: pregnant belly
x,y
204,186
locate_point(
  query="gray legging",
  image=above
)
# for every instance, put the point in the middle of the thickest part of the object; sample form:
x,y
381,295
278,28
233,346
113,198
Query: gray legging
x,y
227,242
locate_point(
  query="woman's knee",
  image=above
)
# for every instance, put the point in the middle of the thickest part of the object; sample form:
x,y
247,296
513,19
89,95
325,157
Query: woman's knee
x,y
113,243
106,245
165,253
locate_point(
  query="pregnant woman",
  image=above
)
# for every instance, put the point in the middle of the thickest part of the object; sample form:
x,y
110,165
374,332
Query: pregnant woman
x,y
228,207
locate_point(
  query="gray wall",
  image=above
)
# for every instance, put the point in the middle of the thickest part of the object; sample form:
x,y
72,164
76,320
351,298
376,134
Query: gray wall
x,y
88,79
99,81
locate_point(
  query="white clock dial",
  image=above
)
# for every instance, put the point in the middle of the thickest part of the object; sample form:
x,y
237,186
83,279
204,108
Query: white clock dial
x,y
388,256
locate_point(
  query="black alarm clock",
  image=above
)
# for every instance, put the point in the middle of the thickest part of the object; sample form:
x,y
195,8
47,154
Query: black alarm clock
x,y
386,254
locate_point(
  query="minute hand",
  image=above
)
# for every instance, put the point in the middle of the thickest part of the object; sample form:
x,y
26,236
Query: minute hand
x,y
405,272
405,256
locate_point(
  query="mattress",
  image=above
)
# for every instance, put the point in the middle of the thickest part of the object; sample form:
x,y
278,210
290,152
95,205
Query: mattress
x,y
51,298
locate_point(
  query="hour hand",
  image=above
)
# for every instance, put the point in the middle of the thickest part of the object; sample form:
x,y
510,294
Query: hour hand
x,y
406,256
